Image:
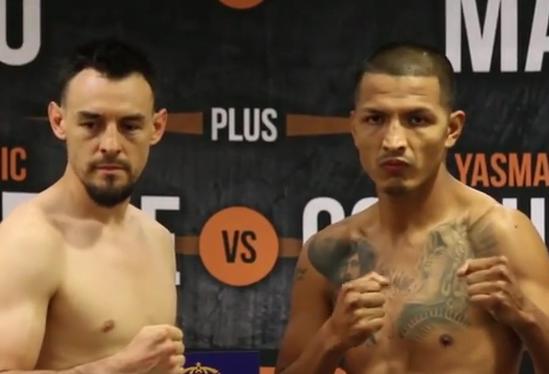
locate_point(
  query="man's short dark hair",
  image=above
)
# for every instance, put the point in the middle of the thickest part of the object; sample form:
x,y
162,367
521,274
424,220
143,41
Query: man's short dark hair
x,y
109,56
411,59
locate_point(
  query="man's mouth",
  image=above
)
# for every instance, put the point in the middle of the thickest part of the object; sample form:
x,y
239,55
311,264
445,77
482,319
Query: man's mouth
x,y
394,166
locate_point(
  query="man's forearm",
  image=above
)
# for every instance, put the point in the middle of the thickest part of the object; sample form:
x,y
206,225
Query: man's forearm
x,y
534,333
104,366
321,356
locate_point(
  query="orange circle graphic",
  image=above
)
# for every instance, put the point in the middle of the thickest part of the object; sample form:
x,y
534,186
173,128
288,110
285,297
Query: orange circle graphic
x,y
238,246
241,4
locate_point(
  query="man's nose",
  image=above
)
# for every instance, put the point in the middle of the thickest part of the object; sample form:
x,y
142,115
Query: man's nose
x,y
110,140
395,137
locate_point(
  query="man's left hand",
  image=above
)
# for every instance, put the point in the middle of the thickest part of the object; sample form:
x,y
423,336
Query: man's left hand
x,y
492,285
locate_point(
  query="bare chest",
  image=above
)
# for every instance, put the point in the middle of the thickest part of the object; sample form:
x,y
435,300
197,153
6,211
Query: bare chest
x,y
424,294
428,313
110,291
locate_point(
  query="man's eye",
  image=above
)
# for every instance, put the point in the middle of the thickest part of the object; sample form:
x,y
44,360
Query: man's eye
x,y
373,119
90,125
130,127
417,120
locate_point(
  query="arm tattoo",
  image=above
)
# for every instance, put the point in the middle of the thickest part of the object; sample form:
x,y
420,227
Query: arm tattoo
x,y
341,260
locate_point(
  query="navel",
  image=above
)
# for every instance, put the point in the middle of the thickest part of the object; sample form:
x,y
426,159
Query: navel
x,y
107,326
446,340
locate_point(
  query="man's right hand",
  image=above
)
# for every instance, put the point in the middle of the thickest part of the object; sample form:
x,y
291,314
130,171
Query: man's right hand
x,y
358,312
155,349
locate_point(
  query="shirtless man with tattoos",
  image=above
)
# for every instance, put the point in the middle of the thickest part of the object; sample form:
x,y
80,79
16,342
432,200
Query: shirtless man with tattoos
x,y
87,281
435,277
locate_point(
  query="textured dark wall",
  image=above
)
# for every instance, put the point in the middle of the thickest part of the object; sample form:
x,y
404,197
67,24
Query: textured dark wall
x,y
294,56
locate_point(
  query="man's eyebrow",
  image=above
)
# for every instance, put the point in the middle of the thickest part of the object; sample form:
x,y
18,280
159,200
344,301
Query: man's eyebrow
x,y
411,109
93,115
370,109
134,117
88,115
420,109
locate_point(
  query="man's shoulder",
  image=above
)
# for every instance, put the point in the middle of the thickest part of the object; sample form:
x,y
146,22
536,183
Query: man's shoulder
x,y
332,233
340,237
30,244
499,217
481,208
29,220
500,230
149,224
349,229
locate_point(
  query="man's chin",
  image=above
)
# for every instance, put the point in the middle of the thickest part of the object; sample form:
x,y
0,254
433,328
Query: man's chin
x,y
109,197
396,189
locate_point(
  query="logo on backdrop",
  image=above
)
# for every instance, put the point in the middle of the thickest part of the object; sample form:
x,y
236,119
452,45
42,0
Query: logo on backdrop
x,y
246,125
30,45
199,369
238,246
241,4
12,167
240,362
498,170
481,34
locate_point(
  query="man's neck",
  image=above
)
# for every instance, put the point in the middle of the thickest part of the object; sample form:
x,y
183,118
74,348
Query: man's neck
x,y
78,203
419,208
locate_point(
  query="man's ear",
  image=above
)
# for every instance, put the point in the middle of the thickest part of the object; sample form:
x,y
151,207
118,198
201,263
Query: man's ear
x,y
353,124
455,127
160,120
56,117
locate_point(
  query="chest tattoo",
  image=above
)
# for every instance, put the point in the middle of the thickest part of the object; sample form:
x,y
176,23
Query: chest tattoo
x,y
428,294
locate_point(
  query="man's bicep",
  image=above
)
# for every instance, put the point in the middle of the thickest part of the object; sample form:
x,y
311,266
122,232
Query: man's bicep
x,y
22,323
538,293
23,309
534,273
28,276
529,260
309,310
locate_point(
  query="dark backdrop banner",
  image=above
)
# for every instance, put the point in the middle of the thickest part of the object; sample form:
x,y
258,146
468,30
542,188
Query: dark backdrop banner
x,y
258,155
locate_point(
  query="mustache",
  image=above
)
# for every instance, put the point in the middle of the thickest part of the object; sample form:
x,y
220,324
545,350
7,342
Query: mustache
x,y
119,163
